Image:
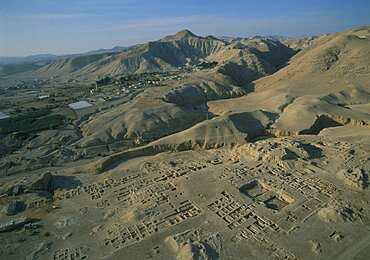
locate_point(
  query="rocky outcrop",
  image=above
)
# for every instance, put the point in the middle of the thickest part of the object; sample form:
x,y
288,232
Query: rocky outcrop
x,y
354,178
339,210
195,244
42,183
207,91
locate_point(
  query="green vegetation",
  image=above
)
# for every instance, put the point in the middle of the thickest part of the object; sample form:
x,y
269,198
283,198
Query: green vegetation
x,y
207,65
136,78
31,122
103,81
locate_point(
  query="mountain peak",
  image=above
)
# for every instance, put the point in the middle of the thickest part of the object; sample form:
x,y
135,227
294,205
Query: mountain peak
x,y
180,35
185,33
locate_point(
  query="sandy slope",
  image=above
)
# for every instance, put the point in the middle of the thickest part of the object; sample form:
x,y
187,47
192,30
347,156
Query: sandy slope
x,y
325,85
333,62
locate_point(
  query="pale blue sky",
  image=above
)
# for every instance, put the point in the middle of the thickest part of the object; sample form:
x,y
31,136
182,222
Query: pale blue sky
x,y
71,26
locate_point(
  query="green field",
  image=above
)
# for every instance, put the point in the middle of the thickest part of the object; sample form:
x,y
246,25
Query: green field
x,y
31,122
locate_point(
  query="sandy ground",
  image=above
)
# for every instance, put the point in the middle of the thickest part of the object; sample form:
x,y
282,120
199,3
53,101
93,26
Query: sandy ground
x,y
282,197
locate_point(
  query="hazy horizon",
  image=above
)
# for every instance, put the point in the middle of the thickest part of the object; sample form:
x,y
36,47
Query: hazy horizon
x,y
52,27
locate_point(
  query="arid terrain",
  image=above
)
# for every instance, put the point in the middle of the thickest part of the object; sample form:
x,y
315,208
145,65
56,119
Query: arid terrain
x,y
189,147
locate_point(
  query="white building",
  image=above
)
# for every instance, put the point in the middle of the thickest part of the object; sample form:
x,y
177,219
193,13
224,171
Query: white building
x,y
43,97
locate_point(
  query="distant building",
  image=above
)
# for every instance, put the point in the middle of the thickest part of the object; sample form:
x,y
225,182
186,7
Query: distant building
x,y
79,105
2,115
43,97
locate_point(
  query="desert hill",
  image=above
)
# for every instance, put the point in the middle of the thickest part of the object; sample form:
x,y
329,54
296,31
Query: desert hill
x,y
158,111
255,89
14,68
216,108
249,59
163,111
283,108
323,85
167,53
242,60
332,62
330,78
299,43
17,65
